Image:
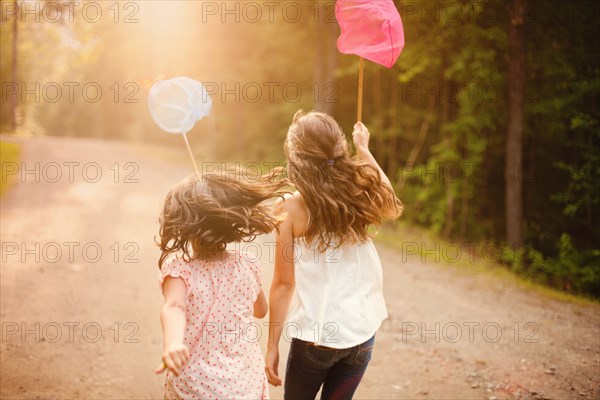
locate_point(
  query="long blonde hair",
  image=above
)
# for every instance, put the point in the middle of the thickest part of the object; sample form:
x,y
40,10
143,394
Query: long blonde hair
x,y
204,214
343,195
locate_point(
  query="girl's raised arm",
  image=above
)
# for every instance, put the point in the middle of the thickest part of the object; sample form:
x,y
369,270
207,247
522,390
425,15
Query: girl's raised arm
x,y
361,136
282,289
172,316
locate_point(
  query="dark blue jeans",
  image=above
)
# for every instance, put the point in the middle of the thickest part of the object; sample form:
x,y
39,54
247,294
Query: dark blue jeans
x,y
339,371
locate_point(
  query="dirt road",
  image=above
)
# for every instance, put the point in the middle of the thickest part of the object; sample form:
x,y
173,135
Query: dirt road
x,y
79,299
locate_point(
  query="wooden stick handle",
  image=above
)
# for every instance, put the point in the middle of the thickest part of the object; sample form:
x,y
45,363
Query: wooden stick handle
x,y
191,154
360,89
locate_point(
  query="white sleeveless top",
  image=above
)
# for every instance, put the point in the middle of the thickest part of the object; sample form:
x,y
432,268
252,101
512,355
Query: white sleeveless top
x,y
338,301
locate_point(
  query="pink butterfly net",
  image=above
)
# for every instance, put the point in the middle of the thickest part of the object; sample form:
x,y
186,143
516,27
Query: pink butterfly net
x,y
371,29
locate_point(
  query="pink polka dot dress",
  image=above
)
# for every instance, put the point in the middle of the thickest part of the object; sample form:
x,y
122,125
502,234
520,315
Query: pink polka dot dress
x,y
226,361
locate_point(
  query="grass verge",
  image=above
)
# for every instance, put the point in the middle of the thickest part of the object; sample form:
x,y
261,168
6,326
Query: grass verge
x,y
9,153
465,257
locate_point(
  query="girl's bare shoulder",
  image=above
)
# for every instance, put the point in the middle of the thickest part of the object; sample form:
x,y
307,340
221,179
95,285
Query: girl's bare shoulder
x,y
292,203
294,206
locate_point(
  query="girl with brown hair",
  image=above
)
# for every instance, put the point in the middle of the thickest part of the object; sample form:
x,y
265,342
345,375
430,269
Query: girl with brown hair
x,y
210,293
333,277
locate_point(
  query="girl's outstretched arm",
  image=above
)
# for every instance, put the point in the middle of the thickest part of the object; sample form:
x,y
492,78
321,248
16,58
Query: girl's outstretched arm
x,y
361,136
282,289
172,316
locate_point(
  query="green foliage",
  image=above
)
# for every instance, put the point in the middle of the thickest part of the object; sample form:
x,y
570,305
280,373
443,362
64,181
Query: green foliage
x,y
467,135
571,270
448,189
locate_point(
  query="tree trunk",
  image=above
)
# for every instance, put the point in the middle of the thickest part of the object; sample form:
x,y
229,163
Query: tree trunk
x,y
514,140
393,125
13,98
414,152
464,209
325,64
374,119
449,223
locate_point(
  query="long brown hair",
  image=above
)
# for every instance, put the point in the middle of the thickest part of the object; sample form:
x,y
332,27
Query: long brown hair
x,y
344,195
204,214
